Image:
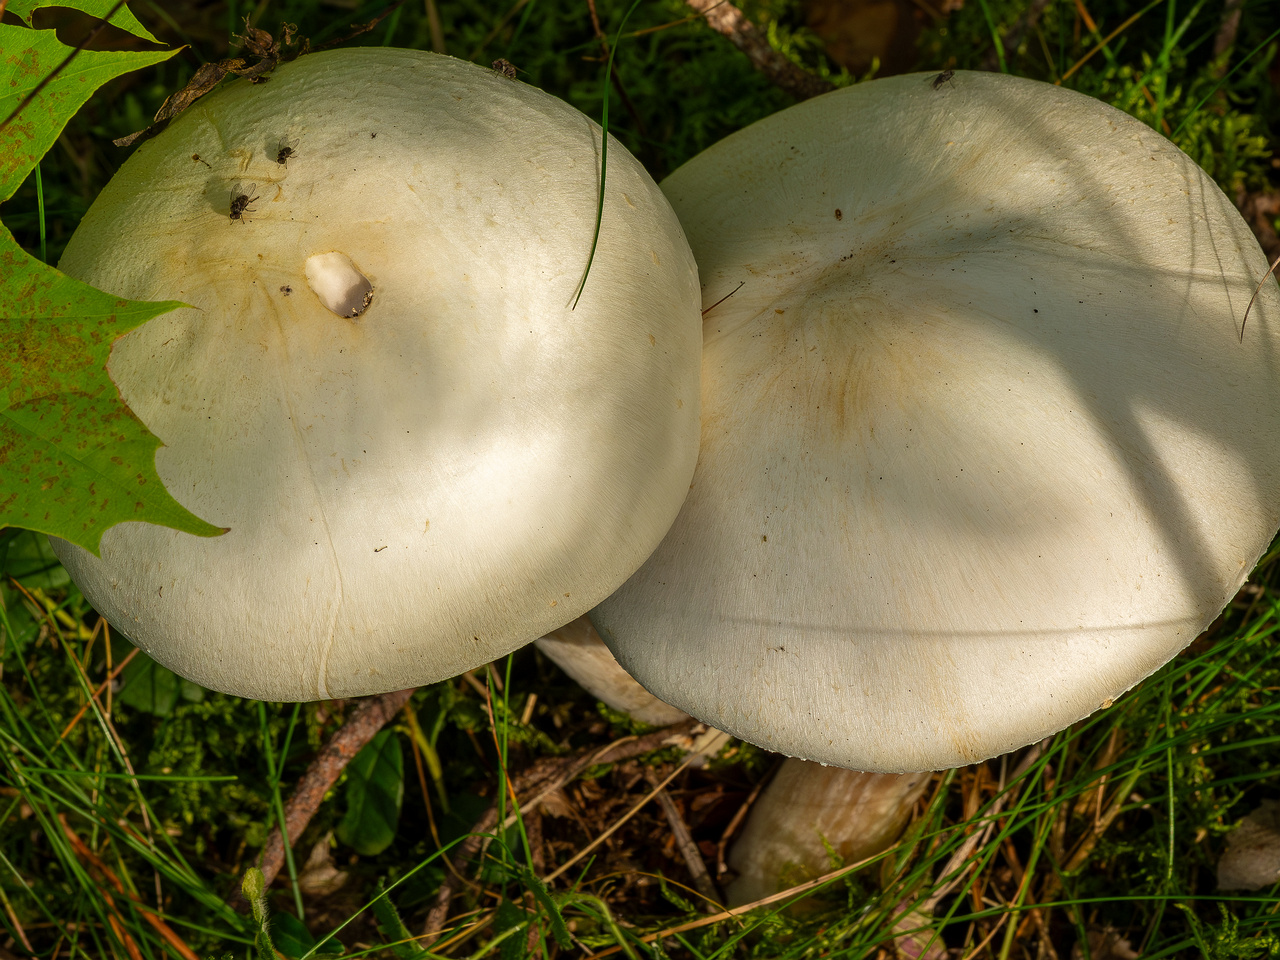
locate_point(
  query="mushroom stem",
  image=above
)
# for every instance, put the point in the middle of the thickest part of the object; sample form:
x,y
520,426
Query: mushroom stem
x,y
811,814
577,649
807,814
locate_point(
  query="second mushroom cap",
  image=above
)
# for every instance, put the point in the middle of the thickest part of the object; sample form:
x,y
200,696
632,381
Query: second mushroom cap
x,y
981,444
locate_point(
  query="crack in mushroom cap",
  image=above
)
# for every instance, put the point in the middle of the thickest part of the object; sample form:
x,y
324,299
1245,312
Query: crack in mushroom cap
x,y
462,467
981,446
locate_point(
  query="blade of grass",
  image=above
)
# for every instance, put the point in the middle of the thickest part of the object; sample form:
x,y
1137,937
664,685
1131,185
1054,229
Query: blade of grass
x,y
995,35
1103,43
604,149
273,776
44,249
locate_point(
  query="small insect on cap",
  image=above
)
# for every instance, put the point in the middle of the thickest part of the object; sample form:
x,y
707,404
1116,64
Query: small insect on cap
x,y
425,455
979,452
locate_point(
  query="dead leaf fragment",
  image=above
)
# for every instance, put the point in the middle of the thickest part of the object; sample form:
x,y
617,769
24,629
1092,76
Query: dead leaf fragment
x,y
319,877
1252,859
1105,943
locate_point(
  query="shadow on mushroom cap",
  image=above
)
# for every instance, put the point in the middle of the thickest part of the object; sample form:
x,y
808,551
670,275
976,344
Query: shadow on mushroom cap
x,y
466,464
981,446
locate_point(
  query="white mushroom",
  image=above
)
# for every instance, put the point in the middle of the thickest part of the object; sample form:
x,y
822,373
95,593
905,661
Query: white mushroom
x,y
577,649
809,814
806,814
426,455
981,446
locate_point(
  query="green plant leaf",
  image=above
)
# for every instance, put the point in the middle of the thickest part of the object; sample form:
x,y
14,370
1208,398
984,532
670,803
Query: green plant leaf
x,y
122,18
375,788
559,929
74,460
26,58
291,937
392,927
509,918
155,689
28,558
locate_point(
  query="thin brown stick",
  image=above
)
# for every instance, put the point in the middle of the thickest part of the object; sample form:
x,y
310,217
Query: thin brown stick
x,y
97,693
1226,38
1100,45
358,28
1035,916
1257,290
726,19
724,298
617,824
958,866
988,938
733,912
422,775
722,867
366,720
8,907
614,77
688,849
433,25
540,780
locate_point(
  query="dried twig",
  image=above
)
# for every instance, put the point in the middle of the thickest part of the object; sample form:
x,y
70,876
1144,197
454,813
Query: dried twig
x,y
722,867
433,24
617,824
359,28
1226,38
366,720
746,908
257,43
957,866
93,698
684,843
726,19
613,71
541,780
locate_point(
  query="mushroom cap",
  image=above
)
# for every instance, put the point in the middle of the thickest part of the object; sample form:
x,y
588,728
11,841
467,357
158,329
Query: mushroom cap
x,y
981,444
463,466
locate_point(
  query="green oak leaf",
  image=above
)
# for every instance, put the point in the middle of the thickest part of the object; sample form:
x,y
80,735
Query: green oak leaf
x,y
26,58
122,18
74,460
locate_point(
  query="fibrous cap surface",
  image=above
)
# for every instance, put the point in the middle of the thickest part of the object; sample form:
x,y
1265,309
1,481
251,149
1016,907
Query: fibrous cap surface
x,y
981,444
422,475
